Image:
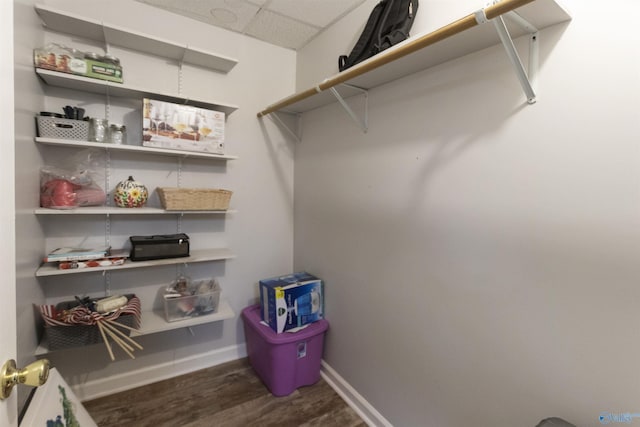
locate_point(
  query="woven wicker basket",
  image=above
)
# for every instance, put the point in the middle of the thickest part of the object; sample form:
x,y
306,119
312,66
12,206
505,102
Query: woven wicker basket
x,y
194,199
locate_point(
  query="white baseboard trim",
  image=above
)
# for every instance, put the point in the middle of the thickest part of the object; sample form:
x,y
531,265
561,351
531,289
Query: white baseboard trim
x,y
364,409
117,383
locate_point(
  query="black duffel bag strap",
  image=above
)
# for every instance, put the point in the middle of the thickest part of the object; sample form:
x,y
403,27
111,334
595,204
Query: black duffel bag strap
x,y
399,23
367,43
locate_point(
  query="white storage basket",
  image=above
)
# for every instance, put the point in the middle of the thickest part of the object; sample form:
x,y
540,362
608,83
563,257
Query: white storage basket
x,y
53,127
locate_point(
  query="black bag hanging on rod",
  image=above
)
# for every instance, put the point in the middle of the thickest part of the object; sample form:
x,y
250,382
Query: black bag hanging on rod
x,y
388,24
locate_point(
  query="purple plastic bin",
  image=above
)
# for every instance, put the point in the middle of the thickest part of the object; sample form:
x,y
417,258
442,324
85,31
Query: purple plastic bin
x,y
283,361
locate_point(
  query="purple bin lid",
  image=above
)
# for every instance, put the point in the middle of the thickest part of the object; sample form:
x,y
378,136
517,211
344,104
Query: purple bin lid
x,y
252,316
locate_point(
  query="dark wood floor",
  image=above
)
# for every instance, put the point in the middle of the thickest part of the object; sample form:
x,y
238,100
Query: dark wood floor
x,y
226,395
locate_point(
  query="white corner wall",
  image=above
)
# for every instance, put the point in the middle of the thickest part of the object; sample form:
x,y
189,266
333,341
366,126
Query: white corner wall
x,y
28,99
260,233
479,253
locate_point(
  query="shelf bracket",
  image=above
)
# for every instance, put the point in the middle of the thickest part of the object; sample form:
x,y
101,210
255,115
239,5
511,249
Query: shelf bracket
x,y
363,122
180,74
525,78
106,275
533,44
107,48
295,134
179,185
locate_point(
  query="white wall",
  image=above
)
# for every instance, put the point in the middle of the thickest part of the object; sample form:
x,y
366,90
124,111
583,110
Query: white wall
x,y
480,254
260,233
8,336
29,237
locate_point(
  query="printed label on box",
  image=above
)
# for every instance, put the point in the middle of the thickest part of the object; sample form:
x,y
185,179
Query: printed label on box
x,y
59,58
182,127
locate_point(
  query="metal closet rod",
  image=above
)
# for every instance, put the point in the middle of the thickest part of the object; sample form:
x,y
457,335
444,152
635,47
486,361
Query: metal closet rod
x,y
387,56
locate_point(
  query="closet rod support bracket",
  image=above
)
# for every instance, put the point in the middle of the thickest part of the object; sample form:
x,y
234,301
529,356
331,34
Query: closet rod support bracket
x,y
363,122
294,134
481,17
514,58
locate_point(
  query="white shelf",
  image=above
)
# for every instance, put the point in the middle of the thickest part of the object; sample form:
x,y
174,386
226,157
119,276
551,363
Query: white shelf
x,y
132,149
395,62
153,322
65,22
112,210
202,255
123,90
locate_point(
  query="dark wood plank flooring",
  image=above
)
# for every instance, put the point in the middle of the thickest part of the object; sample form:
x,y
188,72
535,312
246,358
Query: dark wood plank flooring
x,y
226,395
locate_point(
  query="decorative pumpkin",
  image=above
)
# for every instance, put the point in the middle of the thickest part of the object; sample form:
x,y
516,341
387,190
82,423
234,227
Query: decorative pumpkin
x,y
130,194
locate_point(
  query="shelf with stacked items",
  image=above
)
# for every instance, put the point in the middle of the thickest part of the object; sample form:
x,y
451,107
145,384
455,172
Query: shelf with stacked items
x,y
62,197
133,149
69,23
153,321
123,90
201,255
112,210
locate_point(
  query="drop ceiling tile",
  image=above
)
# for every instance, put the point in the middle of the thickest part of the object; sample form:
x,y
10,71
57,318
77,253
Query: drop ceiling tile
x,y
280,30
319,13
287,23
231,14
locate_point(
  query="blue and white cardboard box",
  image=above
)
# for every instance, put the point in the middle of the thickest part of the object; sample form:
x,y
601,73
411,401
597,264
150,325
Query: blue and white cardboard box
x,y
291,301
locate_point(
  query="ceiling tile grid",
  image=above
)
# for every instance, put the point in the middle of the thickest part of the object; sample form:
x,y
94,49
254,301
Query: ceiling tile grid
x,y
319,13
233,15
287,23
280,30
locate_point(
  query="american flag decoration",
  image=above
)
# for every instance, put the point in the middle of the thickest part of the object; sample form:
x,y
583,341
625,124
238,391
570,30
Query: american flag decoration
x,y
83,314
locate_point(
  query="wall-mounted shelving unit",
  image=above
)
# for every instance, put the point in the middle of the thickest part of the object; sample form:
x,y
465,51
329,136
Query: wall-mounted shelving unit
x,y
111,210
123,90
153,322
65,22
462,37
132,149
202,255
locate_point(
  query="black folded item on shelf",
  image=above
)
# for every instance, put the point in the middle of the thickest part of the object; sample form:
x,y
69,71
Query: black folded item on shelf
x,y
145,248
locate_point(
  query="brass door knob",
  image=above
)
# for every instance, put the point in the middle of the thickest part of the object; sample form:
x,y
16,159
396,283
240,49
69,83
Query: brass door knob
x,y
35,374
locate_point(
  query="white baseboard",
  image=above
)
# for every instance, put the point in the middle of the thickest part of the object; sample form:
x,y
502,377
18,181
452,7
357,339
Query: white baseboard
x,y
117,383
364,409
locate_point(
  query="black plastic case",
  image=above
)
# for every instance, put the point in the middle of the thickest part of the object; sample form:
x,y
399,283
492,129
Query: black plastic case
x,y
144,248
